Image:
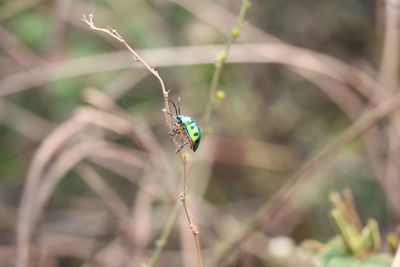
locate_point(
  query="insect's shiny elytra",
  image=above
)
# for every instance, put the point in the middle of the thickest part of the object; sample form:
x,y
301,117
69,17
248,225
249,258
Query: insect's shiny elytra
x,y
188,127
191,130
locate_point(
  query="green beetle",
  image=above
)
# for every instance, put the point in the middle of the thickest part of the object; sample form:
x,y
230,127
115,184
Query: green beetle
x,y
187,126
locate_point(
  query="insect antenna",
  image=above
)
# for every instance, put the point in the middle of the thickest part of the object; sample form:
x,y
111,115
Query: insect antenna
x,y
179,105
172,115
176,110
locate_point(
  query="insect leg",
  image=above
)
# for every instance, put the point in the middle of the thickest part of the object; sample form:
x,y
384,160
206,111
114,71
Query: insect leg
x,y
182,145
176,128
174,117
173,133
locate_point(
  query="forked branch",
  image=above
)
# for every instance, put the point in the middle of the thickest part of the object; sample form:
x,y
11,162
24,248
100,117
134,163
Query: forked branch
x,y
183,195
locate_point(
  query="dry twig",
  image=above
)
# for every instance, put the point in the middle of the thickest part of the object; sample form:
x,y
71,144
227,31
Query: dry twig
x,y
183,195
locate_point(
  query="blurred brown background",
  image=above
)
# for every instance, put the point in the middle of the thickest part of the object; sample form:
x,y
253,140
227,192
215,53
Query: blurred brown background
x,y
83,138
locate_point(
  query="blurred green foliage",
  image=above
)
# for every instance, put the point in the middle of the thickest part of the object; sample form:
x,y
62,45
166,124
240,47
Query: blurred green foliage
x,y
355,245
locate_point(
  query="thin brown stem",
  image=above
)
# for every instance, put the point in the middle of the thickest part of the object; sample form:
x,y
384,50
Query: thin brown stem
x,y
113,33
192,226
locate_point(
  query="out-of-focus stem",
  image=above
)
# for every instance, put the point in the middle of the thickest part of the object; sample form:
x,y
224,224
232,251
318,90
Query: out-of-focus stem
x,y
192,226
221,59
160,243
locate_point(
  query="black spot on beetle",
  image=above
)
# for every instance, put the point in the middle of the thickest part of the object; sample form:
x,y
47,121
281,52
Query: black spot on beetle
x,y
192,127
196,134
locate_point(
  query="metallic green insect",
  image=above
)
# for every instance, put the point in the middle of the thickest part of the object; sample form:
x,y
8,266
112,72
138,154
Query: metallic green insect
x,y
187,126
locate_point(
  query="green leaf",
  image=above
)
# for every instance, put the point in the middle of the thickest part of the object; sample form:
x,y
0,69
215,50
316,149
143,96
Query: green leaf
x,y
343,262
370,237
333,249
392,241
378,260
